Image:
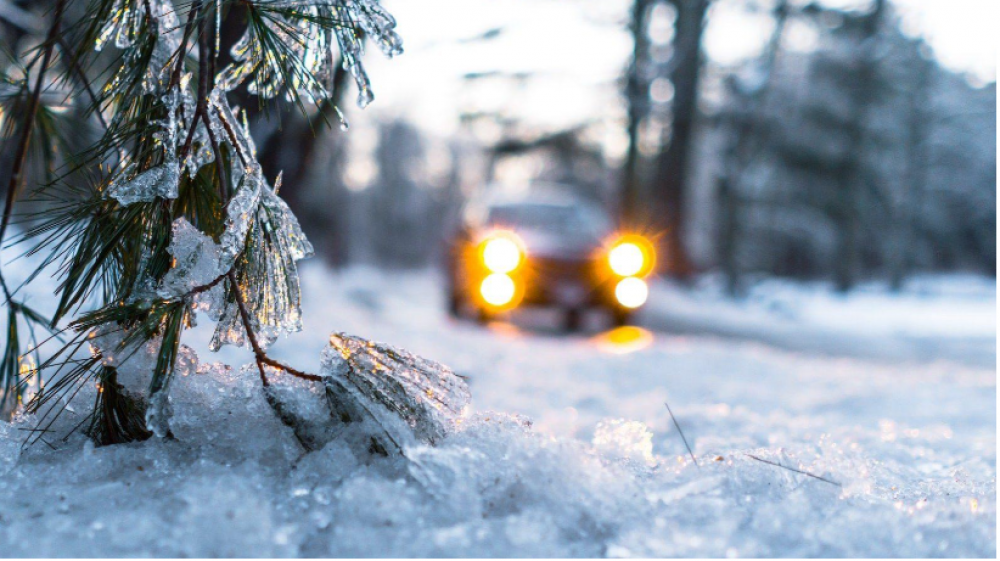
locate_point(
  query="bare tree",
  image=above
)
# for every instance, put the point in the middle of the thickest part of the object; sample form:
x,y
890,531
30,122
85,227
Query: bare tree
x,y
674,165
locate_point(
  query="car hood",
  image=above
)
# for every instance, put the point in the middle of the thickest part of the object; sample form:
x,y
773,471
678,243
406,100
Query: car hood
x,y
549,246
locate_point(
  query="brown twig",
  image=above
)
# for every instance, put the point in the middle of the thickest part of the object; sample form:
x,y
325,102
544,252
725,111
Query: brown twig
x,y
206,55
259,355
813,475
175,77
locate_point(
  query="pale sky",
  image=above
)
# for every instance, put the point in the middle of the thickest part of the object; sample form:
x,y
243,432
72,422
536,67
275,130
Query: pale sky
x,y
575,50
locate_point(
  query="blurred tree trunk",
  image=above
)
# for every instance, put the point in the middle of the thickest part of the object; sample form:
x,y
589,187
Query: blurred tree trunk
x,y
637,98
673,167
903,259
853,177
747,138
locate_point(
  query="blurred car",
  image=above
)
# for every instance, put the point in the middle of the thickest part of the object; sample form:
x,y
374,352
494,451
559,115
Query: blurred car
x,y
546,250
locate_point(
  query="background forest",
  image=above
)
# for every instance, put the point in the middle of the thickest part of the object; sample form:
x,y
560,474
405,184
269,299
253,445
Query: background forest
x,y
824,141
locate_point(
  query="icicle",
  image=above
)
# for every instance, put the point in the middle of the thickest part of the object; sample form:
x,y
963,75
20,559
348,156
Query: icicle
x,y
158,413
412,399
218,24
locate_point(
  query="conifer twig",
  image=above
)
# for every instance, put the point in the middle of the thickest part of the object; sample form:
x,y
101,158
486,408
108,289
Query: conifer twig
x,y
34,101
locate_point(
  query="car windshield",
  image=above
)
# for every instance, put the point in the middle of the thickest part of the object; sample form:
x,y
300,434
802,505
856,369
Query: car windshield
x,y
562,220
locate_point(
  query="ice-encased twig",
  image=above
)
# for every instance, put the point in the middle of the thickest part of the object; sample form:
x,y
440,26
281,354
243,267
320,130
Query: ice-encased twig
x,y
125,24
413,400
264,229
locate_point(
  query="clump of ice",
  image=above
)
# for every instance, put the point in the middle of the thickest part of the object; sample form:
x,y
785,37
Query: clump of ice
x,y
196,260
161,181
314,50
629,441
411,398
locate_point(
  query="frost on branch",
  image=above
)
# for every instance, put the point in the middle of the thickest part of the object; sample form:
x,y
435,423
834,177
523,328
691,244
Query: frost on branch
x,y
303,63
410,399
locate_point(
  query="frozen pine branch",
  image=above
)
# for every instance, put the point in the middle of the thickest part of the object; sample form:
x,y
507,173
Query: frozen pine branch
x,y
167,215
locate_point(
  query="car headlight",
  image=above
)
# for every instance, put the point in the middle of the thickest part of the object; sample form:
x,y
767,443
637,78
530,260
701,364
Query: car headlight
x,y
631,256
502,253
626,259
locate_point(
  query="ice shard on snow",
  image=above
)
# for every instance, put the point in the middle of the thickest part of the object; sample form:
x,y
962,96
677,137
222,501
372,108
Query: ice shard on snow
x,y
411,399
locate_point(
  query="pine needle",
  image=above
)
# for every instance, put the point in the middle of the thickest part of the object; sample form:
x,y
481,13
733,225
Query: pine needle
x,y
813,475
681,432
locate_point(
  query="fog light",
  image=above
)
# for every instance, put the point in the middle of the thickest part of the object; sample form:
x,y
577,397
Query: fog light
x,y
631,292
497,289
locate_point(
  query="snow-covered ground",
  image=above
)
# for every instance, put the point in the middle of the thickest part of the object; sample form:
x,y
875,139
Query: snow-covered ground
x,y
910,443
951,317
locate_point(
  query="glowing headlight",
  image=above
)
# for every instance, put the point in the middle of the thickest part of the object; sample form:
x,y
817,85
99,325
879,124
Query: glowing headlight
x,y
501,255
497,289
626,259
631,292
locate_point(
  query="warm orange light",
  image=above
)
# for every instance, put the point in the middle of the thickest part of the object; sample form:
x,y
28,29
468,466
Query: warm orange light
x,y
498,289
626,259
632,255
502,252
631,292
624,340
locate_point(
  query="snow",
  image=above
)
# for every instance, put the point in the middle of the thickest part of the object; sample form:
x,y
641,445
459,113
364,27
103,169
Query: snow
x,y
934,317
598,470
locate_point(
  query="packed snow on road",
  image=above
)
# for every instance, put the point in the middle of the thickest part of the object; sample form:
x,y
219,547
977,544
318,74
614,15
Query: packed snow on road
x,y
567,449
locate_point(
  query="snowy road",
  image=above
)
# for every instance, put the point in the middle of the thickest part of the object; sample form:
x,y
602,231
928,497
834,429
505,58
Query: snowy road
x,y
910,446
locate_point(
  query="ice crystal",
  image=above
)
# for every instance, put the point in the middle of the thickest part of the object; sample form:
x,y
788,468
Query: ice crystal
x,y
412,399
161,181
240,213
158,413
181,108
627,441
309,36
134,360
197,260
